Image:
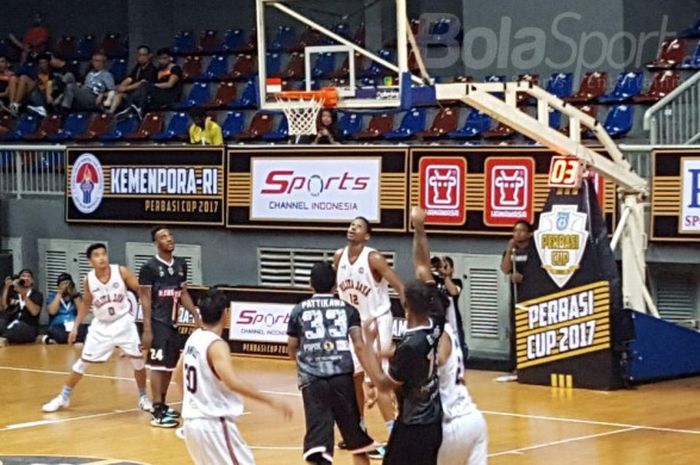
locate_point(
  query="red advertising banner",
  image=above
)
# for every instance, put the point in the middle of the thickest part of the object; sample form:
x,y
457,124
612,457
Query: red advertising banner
x,y
509,186
442,192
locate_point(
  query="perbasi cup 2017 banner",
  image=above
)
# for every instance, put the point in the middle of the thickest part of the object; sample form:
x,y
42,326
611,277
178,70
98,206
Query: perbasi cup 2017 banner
x,y
337,189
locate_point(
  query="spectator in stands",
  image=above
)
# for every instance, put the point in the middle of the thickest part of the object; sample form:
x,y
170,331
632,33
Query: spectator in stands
x,y
204,130
20,305
453,288
326,126
166,91
31,90
6,75
35,40
62,310
94,90
62,75
143,72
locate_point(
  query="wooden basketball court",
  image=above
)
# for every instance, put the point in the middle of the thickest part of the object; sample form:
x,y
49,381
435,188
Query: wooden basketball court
x,y
653,424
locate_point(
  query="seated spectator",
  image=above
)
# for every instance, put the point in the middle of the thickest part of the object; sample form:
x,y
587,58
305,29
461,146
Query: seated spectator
x,y
204,130
90,95
143,72
31,89
166,91
20,305
327,133
6,75
62,311
62,74
35,40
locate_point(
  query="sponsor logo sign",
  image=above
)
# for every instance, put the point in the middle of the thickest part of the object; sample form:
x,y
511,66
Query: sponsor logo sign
x,y
690,206
442,189
337,189
562,325
259,322
87,183
561,241
509,190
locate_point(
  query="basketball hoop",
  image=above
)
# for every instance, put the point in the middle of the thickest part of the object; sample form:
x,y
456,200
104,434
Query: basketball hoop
x,y
301,108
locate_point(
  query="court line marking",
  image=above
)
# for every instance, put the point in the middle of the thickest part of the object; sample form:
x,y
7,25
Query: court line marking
x,y
486,412
520,450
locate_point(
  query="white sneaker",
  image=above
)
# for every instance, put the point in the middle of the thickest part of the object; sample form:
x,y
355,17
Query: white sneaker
x,y
56,403
145,404
38,109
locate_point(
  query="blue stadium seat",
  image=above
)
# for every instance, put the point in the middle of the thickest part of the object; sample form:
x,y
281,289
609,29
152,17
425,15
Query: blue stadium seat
x,y
439,31
692,32
184,43
475,124
412,123
199,95
177,128
555,119
86,46
619,120
694,61
249,98
341,28
123,127
561,84
119,69
280,134
376,70
349,124
28,123
48,161
324,65
234,41
627,86
284,41
233,124
273,63
217,68
75,123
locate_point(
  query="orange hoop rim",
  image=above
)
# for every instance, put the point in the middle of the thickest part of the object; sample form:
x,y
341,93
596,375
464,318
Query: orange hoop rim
x,y
327,95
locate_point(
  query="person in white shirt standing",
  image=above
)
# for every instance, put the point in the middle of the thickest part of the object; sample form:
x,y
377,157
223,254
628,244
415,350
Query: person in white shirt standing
x,y
213,393
106,295
363,280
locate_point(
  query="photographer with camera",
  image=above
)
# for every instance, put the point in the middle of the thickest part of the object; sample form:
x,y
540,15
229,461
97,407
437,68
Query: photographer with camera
x,y
443,271
62,311
20,305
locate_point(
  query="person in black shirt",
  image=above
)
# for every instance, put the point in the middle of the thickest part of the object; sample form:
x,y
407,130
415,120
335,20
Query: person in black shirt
x,y
520,252
166,91
327,131
318,333
142,73
417,434
20,305
451,287
62,74
163,290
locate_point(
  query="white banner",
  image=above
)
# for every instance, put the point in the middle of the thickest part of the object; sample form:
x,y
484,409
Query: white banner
x,y
690,209
337,189
259,322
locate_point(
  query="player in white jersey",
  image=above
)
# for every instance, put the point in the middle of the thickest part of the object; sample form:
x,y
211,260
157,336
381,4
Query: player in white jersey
x,y
464,433
106,295
213,393
363,281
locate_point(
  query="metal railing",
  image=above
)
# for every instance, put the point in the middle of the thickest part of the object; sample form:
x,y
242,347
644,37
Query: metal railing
x,y
32,170
675,119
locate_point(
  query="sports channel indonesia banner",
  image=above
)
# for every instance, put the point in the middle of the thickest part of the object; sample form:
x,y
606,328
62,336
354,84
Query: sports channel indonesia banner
x,y
314,190
321,188
259,322
675,195
146,185
486,190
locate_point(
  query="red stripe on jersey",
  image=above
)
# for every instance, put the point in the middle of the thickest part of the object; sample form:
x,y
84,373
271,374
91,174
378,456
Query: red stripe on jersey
x,y
229,444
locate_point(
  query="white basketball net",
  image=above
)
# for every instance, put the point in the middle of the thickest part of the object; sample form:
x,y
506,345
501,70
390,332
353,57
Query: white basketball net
x,y
301,114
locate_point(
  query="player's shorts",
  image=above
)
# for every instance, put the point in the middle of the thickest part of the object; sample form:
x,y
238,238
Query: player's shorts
x,y
413,444
385,325
216,441
327,401
166,347
464,441
104,336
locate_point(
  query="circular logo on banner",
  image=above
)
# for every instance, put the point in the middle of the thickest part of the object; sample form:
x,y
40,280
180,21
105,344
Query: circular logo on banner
x,y
87,183
60,460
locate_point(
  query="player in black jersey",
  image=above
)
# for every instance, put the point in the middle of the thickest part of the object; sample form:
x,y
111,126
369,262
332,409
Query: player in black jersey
x,y
320,329
417,434
439,300
163,290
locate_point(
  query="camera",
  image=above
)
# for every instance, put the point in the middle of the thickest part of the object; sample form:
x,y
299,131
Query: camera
x,y
22,282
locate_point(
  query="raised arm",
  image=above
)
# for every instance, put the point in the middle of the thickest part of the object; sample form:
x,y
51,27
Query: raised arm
x,y
421,248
